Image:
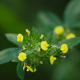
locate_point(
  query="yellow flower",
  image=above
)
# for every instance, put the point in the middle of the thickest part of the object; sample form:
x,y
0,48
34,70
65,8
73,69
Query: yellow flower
x,y
19,37
38,50
41,36
28,32
59,30
29,68
70,35
22,56
44,45
52,59
64,48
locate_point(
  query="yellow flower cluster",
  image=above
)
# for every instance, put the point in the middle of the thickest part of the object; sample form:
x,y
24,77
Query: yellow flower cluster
x,y
44,46
52,59
60,30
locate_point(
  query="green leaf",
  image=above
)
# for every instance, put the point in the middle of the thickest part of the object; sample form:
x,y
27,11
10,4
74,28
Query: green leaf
x,y
8,54
52,38
15,59
12,38
70,42
20,71
72,14
34,31
47,21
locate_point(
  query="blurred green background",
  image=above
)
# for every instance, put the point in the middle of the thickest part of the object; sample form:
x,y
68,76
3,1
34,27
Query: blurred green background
x,y
18,15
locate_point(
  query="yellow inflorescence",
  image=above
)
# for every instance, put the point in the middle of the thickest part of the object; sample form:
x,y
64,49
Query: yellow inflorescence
x,y
19,37
44,45
52,59
64,48
41,36
70,35
22,56
29,69
59,30
28,32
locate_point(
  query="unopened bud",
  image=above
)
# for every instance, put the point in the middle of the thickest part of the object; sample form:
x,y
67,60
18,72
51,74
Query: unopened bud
x,y
41,62
68,31
24,48
31,45
63,56
24,66
28,32
34,69
41,36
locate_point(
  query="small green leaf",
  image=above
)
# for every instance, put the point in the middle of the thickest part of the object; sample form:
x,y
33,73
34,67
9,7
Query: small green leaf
x,y
52,38
15,59
12,38
34,31
72,14
20,71
8,54
70,42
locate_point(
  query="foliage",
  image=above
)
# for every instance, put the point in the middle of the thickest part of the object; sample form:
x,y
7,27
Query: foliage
x,y
37,48
31,44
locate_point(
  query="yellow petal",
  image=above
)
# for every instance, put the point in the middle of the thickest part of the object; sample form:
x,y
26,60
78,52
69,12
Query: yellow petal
x,y
64,48
19,37
52,58
41,36
44,45
22,56
70,35
59,30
